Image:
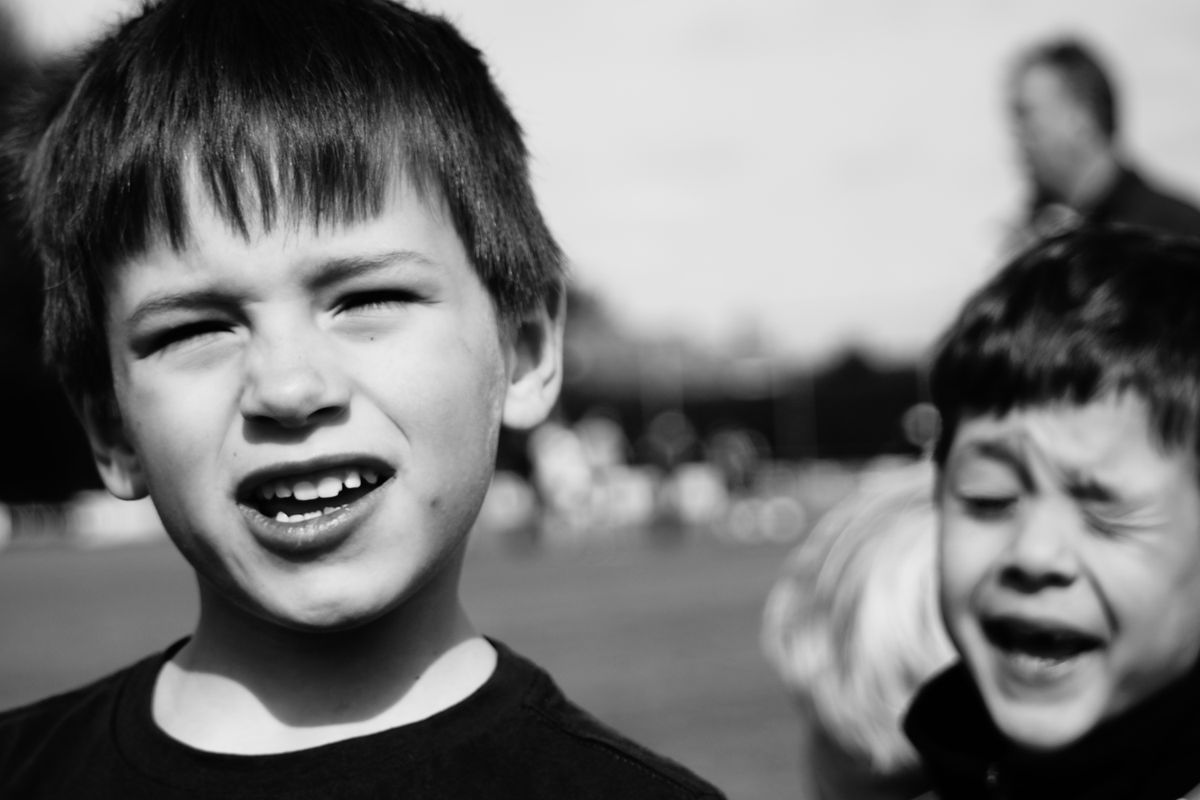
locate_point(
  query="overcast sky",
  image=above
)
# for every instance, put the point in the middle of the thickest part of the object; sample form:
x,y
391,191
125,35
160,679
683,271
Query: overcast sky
x,y
821,173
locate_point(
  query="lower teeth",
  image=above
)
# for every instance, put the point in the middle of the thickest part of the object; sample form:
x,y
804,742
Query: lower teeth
x,y
1040,662
305,517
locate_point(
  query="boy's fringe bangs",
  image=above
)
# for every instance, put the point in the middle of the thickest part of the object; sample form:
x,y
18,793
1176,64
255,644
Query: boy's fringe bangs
x,y
94,208
310,136
992,367
254,161
145,199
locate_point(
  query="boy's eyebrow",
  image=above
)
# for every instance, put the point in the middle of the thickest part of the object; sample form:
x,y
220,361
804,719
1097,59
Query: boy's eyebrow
x,y
323,274
329,272
1081,486
180,301
1002,451
1088,489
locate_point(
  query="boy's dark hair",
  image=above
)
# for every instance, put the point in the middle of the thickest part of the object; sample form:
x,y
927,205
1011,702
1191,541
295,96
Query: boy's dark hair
x,y
1076,317
273,106
1084,76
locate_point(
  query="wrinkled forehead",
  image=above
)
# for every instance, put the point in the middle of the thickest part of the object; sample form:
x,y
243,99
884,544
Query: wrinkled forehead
x,y
1103,430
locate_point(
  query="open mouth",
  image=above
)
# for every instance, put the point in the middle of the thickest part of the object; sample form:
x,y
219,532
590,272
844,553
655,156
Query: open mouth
x,y
1040,641
300,498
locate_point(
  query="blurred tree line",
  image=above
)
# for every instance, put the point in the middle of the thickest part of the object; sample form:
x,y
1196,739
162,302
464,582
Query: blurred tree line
x,y
849,406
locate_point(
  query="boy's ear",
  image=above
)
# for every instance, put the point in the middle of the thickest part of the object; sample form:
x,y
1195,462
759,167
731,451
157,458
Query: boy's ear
x,y
119,466
535,375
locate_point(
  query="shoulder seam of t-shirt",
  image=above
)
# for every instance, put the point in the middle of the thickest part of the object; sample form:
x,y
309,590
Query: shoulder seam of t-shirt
x,y
66,699
614,743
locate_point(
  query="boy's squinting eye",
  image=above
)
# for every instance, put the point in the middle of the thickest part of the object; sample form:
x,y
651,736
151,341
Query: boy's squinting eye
x,y
1112,522
170,337
988,506
986,489
377,300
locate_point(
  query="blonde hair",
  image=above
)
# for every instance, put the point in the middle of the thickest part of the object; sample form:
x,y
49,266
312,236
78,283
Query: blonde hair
x,y
852,625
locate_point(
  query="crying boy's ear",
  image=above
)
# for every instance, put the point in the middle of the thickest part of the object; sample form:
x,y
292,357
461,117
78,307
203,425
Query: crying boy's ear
x,y
116,460
535,367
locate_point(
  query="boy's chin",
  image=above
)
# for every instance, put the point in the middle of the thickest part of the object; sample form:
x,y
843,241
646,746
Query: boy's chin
x,y
1040,735
332,618
337,619
1038,702
1034,725
321,612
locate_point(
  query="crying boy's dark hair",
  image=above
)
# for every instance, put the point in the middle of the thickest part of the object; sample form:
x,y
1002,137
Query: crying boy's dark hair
x,y
1076,317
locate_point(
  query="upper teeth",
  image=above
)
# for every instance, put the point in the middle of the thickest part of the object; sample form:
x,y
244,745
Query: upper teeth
x,y
326,486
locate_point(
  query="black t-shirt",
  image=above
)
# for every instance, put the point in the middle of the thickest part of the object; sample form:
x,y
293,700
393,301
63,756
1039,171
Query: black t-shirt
x,y
1149,752
517,736
1129,200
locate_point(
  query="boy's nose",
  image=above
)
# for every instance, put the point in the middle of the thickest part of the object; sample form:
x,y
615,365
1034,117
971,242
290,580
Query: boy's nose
x,y
292,381
1041,551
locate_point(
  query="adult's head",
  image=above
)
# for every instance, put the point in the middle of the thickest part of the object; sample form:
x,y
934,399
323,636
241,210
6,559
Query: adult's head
x,y
1064,112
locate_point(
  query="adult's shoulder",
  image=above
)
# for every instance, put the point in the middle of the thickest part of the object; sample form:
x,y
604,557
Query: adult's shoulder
x,y
1139,200
576,750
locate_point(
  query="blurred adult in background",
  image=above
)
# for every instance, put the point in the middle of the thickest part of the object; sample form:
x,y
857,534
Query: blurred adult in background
x,y
1066,119
852,627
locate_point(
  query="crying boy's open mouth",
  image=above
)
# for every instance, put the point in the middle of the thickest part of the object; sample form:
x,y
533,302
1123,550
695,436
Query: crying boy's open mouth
x,y
1036,643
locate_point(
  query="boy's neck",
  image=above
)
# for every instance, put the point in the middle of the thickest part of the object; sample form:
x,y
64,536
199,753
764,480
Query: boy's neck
x,y
246,686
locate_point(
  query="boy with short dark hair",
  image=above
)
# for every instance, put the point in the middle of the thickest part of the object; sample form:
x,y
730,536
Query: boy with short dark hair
x,y
1069,495
297,283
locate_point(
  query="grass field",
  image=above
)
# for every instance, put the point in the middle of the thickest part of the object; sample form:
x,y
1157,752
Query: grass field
x,y
662,643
